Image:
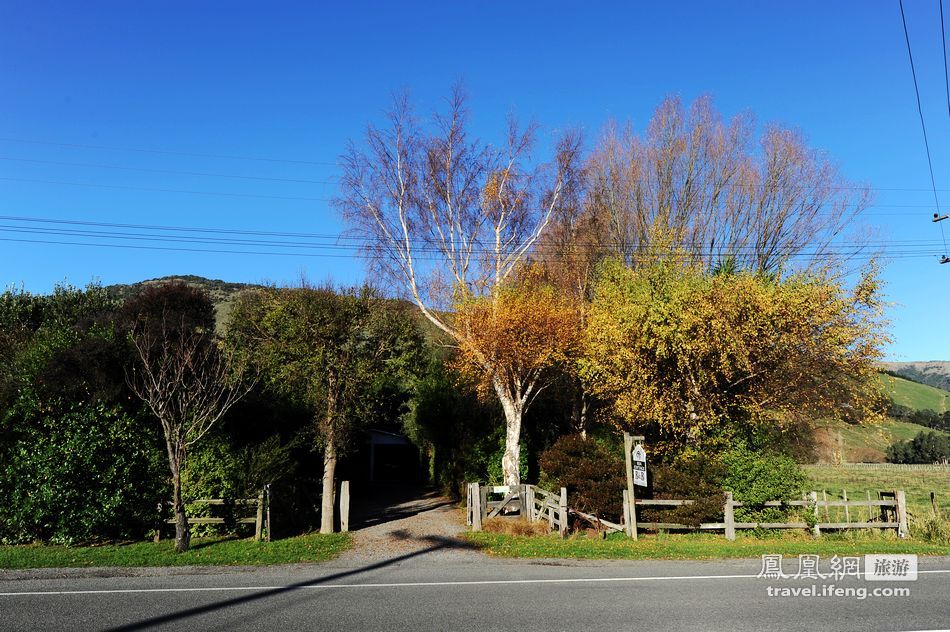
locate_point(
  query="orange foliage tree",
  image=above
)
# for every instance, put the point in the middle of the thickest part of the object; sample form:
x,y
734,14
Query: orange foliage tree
x,y
510,342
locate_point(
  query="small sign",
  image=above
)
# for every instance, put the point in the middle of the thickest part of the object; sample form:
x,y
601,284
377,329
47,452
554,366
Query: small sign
x,y
639,466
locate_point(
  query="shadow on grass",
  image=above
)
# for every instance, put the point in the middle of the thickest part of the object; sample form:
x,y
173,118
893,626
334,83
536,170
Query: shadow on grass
x,y
436,543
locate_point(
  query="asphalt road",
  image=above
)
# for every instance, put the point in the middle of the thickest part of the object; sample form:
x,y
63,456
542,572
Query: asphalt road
x,y
417,592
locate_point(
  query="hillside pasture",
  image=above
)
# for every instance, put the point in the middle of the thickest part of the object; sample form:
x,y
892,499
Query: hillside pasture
x,y
913,395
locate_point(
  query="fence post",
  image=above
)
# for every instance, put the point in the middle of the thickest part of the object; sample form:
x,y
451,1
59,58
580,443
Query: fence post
x,y
562,512
267,498
847,510
902,531
870,507
482,504
476,507
626,512
158,525
258,524
813,497
933,504
468,504
529,502
344,506
728,511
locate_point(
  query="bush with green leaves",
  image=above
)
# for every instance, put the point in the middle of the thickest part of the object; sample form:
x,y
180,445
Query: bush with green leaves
x,y
592,471
697,479
926,447
757,477
78,473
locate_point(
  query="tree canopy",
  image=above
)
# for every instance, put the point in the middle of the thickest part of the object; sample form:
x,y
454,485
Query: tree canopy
x,y
694,355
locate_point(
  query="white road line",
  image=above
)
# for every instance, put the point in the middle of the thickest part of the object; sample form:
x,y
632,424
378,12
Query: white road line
x,y
486,582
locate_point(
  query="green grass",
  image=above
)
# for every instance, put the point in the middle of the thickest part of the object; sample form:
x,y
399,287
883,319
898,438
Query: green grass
x,y
916,483
203,552
698,546
914,395
865,443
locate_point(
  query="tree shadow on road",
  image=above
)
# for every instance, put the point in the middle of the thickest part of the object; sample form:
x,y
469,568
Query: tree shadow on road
x,y
436,543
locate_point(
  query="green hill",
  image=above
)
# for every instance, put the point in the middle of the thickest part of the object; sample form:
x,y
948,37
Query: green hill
x,y
933,373
915,396
869,443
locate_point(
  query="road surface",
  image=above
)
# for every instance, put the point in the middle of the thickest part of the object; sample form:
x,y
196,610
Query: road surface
x,y
425,590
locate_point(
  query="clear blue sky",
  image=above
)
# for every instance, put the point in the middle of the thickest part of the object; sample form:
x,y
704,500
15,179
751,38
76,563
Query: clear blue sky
x,y
293,81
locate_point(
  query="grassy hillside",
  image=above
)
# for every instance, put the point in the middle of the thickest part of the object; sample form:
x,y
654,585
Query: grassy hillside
x,y
914,395
933,373
863,444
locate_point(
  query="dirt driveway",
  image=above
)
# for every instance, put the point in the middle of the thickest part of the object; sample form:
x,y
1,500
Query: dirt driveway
x,y
402,521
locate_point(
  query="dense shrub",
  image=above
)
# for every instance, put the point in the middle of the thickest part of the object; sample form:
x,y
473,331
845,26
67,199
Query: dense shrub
x,y
592,472
79,474
926,447
696,479
755,478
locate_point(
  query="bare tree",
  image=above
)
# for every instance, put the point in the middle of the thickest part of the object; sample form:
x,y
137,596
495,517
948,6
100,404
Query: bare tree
x,y
189,383
451,218
706,189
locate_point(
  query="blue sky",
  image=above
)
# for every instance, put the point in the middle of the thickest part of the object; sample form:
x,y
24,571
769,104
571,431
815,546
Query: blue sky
x,y
292,82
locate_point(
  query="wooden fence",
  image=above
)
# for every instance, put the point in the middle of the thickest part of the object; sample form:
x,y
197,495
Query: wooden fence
x,y
897,467
888,511
260,517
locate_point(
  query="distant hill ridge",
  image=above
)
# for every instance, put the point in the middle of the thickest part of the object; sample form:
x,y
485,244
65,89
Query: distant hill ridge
x,y
932,373
220,291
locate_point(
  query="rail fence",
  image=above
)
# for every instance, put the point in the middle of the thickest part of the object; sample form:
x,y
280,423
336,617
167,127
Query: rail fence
x,y
888,511
897,467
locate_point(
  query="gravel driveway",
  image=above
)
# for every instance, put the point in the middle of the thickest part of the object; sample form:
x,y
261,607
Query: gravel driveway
x,y
400,521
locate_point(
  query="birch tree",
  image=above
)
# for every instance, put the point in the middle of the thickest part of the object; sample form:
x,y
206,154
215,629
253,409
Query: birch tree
x,y
450,218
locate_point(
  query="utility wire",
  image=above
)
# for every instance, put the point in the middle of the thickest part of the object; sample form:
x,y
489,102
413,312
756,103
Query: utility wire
x,y
317,199
920,112
646,255
168,152
946,73
338,238
425,250
202,174
164,190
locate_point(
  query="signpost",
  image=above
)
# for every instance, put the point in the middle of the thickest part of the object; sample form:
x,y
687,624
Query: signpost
x,y
639,466
636,461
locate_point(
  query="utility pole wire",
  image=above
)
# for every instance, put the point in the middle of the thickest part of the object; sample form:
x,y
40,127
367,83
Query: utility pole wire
x,y
946,73
920,112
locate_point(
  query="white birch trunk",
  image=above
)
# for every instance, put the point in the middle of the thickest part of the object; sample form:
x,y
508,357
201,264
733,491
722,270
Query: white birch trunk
x,y
513,406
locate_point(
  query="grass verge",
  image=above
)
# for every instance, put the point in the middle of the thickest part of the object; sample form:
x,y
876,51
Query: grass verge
x,y
203,552
699,546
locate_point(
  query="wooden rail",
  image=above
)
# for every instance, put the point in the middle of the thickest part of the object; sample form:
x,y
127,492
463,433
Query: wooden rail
x,y
260,519
892,507
535,504
529,501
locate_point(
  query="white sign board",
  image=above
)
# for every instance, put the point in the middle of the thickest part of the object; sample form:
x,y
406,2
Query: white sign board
x,y
639,466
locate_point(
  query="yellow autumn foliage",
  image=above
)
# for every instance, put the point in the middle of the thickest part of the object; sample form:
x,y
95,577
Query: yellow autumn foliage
x,y
690,353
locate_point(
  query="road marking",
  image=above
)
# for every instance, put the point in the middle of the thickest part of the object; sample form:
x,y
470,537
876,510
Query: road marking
x,y
485,582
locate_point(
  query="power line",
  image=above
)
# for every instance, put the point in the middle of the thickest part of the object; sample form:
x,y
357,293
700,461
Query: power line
x,y
946,73
202,174
920,112
350,246
167,152
895,255
316,199
165,190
